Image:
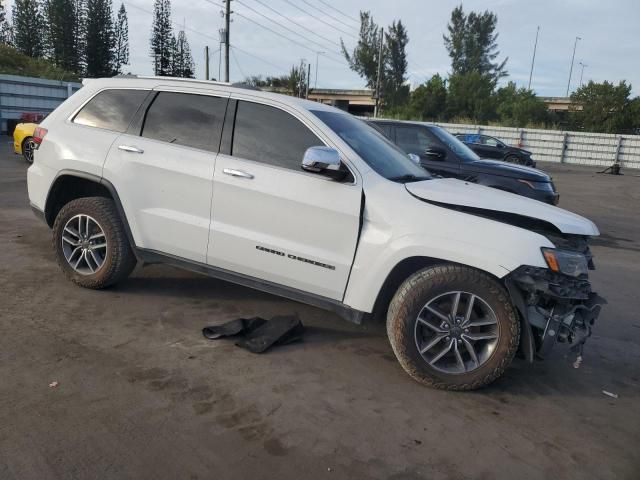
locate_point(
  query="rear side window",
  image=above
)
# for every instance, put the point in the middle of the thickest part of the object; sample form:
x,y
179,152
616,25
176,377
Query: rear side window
x,y
111,109
186,119
269,135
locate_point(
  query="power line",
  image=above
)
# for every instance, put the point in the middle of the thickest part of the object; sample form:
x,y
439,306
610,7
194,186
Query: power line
x,y
278,33
296,23
261,59
340,12
330,16
320,19
281,25
182,27
235,59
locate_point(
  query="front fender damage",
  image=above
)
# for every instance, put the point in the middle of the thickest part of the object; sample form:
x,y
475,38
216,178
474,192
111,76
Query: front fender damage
x,y
554,308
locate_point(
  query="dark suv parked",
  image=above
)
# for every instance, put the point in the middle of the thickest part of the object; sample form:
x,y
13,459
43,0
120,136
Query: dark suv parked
x,y
492,147
444,154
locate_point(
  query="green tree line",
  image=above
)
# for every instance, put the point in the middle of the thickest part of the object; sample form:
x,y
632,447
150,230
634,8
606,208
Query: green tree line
x,y
86,38
471,91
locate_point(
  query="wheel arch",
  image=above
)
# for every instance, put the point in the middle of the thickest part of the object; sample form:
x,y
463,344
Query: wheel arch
x,y
71,184
403,270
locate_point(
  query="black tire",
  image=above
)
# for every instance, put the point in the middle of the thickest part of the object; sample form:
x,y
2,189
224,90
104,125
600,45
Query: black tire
x,y
514,159
430,283
27,150
119,259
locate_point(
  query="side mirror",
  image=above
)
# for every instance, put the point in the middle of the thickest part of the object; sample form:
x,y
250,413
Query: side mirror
x,y
435,153
414,158
324,161
500,145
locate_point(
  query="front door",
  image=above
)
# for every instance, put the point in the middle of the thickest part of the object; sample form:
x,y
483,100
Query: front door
x,y
418,140
164,175
273,221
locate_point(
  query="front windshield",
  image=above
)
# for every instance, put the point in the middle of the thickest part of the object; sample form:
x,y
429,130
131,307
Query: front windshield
x,y
379,153
454,143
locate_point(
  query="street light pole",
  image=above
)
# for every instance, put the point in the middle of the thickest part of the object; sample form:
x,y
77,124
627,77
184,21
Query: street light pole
x,y
582,72
575,44
533,60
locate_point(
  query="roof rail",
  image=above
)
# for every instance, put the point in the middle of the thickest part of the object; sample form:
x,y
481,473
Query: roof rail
x,y
180,79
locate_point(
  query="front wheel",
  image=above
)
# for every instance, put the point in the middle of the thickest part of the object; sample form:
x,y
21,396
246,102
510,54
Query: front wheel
x,y
515,159
453,327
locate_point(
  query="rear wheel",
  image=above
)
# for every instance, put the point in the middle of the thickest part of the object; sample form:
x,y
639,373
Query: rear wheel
x,y
452,327
27,149
90,243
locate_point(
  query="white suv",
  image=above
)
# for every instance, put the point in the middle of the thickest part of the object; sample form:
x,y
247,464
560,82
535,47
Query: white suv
x,y
305,201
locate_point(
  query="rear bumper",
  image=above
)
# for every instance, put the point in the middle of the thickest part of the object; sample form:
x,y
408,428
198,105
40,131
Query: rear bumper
x,y
39,214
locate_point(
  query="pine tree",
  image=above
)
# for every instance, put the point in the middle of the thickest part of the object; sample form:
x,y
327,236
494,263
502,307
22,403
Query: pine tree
x,y
364,58
181,60
395,65
6,34
121,41
65,29
100,39
161,38
27,28
472,44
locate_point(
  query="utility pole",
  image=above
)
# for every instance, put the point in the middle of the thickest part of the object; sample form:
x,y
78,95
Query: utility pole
x,y
582,72
533,60
575,44
308,79
227,24
379,75
206,62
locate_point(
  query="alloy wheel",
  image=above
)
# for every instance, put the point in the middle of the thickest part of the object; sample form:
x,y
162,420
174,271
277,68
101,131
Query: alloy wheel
x,y
84,244
456,332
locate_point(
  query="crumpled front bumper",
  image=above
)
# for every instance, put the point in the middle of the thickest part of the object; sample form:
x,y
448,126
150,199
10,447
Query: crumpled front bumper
x,y
555,308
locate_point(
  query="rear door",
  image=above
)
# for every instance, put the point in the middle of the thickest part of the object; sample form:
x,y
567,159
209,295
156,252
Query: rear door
x,y
272,220
163,172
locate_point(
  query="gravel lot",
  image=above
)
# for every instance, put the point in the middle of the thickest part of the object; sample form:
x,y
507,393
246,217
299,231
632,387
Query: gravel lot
x,y
142,395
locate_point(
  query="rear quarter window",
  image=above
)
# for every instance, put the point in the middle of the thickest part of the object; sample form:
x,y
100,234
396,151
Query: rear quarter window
x,y
111,109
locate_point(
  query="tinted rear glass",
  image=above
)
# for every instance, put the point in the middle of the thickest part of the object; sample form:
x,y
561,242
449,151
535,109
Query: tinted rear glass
x,y
111,109
186,119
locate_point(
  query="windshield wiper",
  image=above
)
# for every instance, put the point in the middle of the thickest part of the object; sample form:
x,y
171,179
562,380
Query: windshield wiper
x,y
409,178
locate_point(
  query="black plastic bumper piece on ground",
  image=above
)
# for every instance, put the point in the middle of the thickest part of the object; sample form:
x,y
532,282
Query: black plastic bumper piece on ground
x,y
258,334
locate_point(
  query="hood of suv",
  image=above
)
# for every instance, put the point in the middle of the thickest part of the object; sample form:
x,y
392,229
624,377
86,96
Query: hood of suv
x,y
502,206
512,170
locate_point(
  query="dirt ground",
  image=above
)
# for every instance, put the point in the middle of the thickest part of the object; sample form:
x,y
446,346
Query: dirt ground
x,y
142,395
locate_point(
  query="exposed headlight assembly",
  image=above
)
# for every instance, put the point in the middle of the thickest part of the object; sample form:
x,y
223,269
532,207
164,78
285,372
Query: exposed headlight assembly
x,y
563,261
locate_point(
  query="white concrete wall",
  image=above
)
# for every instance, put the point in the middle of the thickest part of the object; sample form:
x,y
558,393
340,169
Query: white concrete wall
x,y
597,149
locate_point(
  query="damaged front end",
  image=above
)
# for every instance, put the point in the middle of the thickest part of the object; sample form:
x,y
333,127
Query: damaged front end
x,y
556,303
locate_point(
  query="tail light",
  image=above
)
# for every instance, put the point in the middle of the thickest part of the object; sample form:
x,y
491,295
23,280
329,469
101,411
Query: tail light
x,y
38,136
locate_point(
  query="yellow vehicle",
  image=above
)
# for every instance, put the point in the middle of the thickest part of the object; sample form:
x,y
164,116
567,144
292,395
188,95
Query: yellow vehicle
x,y
22,140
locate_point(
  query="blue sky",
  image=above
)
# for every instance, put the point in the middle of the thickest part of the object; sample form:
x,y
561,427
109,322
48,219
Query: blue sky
x,y
610,45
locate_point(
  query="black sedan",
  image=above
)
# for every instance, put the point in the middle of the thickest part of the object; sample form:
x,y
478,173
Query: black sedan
x,y
442,153
492,147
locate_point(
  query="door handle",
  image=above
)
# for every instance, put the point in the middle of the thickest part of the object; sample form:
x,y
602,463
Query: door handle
x,y
237,173
130,149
